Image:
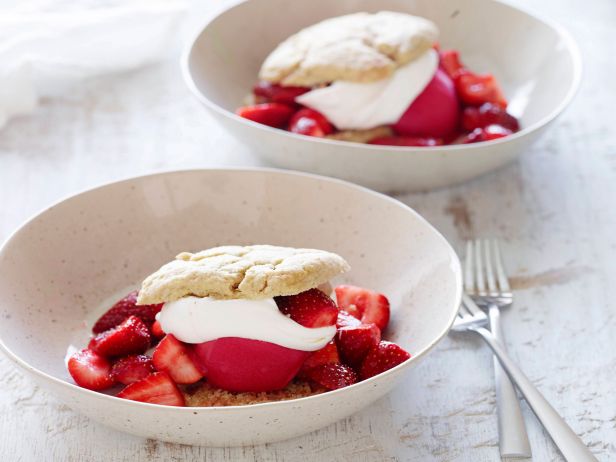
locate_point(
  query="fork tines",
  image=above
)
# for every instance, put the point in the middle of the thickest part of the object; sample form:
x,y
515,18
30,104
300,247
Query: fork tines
x,y
484,272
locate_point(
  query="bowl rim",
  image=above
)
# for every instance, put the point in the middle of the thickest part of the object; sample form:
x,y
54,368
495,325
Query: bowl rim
x,y
572,47
265,170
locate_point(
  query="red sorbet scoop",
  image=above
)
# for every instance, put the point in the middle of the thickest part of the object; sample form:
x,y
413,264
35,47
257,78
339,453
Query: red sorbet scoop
x,y
239,364
435,112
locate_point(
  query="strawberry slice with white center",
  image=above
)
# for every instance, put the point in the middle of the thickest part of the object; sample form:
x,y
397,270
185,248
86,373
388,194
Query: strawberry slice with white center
x,y
173,357
156,388
90,370
345,320
311,308
130,337
381,358
354,342
372,307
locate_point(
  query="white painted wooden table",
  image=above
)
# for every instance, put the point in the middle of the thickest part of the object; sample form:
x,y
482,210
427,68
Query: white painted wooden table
x,y
555,208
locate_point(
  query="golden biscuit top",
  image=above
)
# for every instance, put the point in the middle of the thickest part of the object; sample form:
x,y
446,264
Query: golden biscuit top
x,y
249,272
359,47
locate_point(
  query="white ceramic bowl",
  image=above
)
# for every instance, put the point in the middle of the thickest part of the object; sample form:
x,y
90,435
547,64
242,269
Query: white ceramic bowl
x,y
536,62
63,268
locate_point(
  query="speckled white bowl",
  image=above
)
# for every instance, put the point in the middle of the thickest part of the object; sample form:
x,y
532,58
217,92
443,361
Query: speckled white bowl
x,y
535,60
61,269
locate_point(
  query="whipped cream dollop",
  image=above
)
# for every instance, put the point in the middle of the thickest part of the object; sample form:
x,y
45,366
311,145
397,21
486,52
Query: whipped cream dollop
x,y
197,320
360,106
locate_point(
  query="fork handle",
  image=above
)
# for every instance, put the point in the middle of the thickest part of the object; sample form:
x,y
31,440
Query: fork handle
x,y
513,439
569,444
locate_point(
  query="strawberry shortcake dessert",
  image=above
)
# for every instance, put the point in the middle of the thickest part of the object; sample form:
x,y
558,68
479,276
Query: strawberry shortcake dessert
x,y
238,325
377,78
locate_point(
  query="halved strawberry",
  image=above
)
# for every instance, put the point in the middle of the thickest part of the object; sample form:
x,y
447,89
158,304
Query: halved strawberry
x,y
277,93
124,308
130,337
157,330
90,370
382,357
489,133
173,357
309,122
132,368
475,89
354,342
345,319
332,376
272,114
450,62
311,308
372,306
326,355
417,141
488,114
156,388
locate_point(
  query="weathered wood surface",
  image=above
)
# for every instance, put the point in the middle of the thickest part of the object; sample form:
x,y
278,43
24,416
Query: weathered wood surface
x,y
555,208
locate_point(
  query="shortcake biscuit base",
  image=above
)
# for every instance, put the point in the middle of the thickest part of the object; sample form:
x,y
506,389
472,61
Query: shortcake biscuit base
x,y
362,136
203,394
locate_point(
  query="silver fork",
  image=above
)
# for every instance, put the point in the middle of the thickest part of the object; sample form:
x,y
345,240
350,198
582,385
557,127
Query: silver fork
x,y
486,282
471,318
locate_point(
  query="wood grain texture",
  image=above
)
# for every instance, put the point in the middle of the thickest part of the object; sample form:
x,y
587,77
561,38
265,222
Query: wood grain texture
x,y
554,208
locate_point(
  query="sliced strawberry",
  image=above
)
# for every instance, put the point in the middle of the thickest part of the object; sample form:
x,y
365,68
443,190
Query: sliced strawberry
x,y
491,132
354,342
407,141
272,114
345,319
332,376
326,355
311,123
475,89
450,62
156,388
346,297
157,330
488,114
277,93
130,337
90,370
382,357
373,306
131,369
123,309
311,308
173,356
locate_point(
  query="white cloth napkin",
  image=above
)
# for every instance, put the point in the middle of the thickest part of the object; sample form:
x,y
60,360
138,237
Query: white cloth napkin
x,y
47,45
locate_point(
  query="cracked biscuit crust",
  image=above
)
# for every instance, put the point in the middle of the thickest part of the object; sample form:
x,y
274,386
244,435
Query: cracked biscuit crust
x,y
250,272
359,47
